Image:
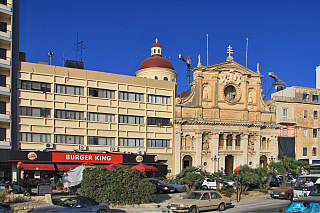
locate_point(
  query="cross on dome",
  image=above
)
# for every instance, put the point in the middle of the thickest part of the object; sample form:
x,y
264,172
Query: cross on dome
x,y
156,40
230,50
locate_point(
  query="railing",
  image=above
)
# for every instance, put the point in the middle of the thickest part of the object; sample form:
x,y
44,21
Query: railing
x,y
282,98
286,119
8,32
237,148
187,148
220,147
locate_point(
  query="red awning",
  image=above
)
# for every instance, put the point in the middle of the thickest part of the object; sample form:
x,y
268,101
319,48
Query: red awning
x,y
38,167
110,166
145,167
64,167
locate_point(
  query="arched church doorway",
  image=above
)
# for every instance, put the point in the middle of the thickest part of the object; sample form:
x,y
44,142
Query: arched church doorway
x,y
187,161
229,165
263,161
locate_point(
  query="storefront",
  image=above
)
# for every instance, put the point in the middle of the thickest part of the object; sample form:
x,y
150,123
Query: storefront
x,y
38,164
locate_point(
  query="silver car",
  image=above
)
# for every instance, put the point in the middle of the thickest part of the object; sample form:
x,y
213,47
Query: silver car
x,y
178,186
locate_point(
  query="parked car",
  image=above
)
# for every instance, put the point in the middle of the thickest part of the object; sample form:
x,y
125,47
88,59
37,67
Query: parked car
x,y
304,185
199,201
275,182
162,187
285,191
178,186
5,208
212,184
304,204
76,204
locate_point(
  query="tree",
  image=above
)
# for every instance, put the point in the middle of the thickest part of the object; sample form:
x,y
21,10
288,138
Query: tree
x,y
246,175
191,176
272,170
261,174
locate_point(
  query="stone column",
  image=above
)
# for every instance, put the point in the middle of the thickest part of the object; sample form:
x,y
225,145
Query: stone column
x,y
215,149
198,147
257,140
234,138
225,141
245,94
177,163
244,146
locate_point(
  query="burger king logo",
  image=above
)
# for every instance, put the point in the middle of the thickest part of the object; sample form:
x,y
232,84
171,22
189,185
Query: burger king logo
x,y
139,158
32,156
156,158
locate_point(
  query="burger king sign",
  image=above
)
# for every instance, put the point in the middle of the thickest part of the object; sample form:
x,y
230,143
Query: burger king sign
x,y
32,156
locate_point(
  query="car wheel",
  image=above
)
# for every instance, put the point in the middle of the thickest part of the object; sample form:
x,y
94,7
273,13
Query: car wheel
x,y
101,211
289,197
160,191
222,207
193,209
205,187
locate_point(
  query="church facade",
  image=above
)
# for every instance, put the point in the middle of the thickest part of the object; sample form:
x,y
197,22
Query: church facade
x,y
222,122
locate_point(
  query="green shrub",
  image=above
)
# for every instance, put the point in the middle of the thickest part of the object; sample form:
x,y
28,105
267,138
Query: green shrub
x,y
119,186
3,196
228,194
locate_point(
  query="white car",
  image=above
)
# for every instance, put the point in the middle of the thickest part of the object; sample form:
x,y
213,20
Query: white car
x,y
212,184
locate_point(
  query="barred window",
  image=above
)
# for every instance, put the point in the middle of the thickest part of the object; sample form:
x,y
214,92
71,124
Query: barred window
x,y
102,117
66,114
159,99
102,93
35,137
130,119
71,90
92,140
130,142
35,112
131,96
69,139
158,143
155,121
37,86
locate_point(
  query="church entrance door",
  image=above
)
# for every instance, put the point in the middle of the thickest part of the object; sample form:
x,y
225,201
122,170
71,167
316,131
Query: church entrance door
x,y
229,165
187,161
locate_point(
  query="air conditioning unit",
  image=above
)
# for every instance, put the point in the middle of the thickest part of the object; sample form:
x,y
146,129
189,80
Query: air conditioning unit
x,y
141,152
114,149
49,146
83,148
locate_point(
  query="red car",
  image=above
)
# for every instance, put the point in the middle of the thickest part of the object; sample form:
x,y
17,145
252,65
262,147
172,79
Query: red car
x,y
285,191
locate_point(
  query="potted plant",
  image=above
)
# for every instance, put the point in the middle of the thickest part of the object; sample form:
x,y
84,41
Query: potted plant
x,y
58,185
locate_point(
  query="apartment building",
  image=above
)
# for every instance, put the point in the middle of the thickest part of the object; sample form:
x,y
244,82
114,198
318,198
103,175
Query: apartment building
x,y
297,113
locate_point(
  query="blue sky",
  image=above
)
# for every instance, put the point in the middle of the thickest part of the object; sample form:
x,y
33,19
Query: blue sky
x,y
283,35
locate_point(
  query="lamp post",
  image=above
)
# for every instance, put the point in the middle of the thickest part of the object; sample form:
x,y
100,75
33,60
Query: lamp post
x,y
18,174
215,159
272,158
238,197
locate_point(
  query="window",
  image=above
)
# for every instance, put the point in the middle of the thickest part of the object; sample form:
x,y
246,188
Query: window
x,y
130,119
101,141
205,196
305,131
315,115
3,134
102,117
305,149
284,132
315,133
66,114
130,142
3,80
158,99
35,112
155,77
315,98
102,93
305,97
131,96
3,26
158,143
3,53
305,114
35,137
285,112
3,107
314,151
37,86
71,90
69,139
165,78
156,121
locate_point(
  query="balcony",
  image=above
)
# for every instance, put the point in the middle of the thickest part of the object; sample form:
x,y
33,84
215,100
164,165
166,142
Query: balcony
x,y
5,117
5,7
6,35
5,143
5,61
187,148
5,89
287,120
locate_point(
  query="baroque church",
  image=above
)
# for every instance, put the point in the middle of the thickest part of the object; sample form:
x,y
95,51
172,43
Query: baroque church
x,y
222,122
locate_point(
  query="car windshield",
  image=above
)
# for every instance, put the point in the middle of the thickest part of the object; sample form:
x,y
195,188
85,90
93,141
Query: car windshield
x,y
193,195
303,207
315,191
159,182
68,202
306,181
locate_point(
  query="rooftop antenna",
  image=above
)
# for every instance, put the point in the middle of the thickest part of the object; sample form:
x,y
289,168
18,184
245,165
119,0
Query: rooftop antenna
x,y
207,49
79,46
188,63
50,54
247,53
62,58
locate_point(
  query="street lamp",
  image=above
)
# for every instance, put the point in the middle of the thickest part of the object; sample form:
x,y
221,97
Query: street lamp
x,y
238,171
18,174
215,159
272,158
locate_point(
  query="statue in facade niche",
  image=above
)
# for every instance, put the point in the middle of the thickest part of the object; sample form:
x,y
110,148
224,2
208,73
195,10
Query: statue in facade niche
x,y
205,146
251,145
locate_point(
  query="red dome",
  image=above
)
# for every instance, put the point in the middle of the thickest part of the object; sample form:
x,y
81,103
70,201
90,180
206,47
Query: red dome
x,y
156,61
156,45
